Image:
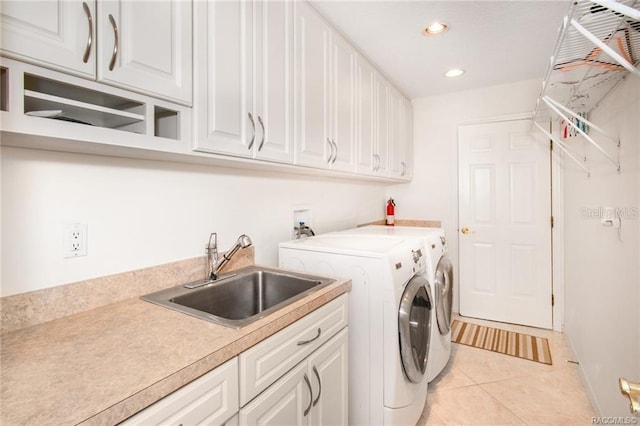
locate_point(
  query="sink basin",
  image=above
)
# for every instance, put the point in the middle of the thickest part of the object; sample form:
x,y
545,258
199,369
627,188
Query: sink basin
x,y
240,298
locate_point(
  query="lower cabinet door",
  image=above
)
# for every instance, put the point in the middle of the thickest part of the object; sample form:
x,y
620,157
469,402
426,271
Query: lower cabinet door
x,y
210,400
233,421
328,369
284,403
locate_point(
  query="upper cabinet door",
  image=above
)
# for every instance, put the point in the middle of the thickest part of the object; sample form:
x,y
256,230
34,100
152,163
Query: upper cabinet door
x,y
365,109
312,38
59,35
342,108
396,142
273,93
406,135
146,46
382,90
223,96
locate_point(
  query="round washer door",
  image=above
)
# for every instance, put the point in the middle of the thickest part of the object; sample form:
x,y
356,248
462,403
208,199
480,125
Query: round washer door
x,y
414,325
444,294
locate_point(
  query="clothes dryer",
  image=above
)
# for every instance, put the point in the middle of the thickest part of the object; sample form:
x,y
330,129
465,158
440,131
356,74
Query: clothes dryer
x,y
439,274
390,314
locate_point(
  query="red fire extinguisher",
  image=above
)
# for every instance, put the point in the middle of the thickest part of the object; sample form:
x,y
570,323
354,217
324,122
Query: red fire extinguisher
x,y
391,212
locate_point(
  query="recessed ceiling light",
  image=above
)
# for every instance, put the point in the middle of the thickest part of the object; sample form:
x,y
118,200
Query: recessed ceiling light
x,y
436,28
454,72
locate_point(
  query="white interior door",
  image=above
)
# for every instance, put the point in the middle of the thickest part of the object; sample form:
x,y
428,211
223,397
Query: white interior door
x,y
505,223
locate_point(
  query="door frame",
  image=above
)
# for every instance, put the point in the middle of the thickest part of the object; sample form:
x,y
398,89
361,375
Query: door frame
x,y
557,211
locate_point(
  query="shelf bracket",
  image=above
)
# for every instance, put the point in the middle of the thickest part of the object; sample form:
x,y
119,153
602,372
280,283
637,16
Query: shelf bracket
x,y
563,147
579,130
578,117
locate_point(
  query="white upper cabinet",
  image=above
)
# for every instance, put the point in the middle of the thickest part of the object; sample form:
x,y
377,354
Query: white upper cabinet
x,y
373,121
406,139
400,136
243,77
59,35
365,81
221,102
270,80
325,93
382,125
273,89
146,46
312,53
140,46
342,104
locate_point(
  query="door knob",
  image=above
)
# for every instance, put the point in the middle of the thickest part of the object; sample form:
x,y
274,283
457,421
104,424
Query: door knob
x,y
632,391
465,230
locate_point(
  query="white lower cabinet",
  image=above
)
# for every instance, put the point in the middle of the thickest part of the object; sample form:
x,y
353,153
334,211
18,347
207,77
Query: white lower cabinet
x,y
210,400
314,392
330,373
298,376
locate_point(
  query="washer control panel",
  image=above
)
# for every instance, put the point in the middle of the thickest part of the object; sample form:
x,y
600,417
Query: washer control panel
x,y
418,260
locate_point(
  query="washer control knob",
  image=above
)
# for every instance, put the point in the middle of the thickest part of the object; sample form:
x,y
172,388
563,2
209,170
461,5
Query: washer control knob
x,y
443,240
417,255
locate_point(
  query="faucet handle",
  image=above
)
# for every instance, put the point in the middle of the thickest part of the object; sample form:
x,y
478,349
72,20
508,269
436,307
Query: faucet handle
x,y
213,242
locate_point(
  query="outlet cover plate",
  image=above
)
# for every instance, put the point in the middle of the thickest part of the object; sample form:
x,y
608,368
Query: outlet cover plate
x,y
74,240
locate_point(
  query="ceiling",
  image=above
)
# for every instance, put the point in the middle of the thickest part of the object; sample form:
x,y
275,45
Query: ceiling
x,y
496,42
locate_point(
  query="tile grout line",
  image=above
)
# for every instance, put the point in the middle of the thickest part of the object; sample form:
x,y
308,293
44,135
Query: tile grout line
x,y
502,403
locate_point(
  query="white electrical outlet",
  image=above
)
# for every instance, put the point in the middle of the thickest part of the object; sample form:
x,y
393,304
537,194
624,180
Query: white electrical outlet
x,y
74,240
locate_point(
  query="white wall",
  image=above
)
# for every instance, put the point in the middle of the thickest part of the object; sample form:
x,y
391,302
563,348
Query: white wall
x,y
602,273
433,193
145,213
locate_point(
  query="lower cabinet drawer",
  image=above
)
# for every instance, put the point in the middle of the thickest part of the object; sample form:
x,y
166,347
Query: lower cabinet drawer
x,y
266,362
211,399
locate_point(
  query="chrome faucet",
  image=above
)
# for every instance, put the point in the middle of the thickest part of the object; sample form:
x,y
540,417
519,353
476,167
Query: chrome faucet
x,y
215,263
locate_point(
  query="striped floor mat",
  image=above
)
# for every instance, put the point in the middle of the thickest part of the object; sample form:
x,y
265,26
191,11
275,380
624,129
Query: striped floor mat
x,y
502,341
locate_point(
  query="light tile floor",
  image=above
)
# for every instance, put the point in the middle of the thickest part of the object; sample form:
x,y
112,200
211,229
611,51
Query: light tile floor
x,y
480,387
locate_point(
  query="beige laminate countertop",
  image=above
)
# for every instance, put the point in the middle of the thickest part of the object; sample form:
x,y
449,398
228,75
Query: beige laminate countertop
x,y
103,365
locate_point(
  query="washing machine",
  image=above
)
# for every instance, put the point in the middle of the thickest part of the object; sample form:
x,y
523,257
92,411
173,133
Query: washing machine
x,y
439,274
390,319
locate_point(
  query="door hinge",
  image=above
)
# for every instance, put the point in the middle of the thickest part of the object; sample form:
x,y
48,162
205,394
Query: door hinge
x,y
553,301
552,221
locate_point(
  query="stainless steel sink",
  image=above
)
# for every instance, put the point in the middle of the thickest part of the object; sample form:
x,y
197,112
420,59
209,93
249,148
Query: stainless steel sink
x,y
240,298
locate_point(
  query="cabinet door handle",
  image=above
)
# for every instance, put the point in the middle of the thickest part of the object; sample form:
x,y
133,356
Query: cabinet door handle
x,y
261,125
112,63
253,128
335,156
404,168
315,371
87,50
306,379
330,151
304,342
377,166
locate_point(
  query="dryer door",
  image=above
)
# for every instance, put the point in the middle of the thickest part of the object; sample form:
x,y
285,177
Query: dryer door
x,y
444,294
414,325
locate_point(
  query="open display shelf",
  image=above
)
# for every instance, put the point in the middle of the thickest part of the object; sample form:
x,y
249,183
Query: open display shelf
x,y
597,47
81,104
